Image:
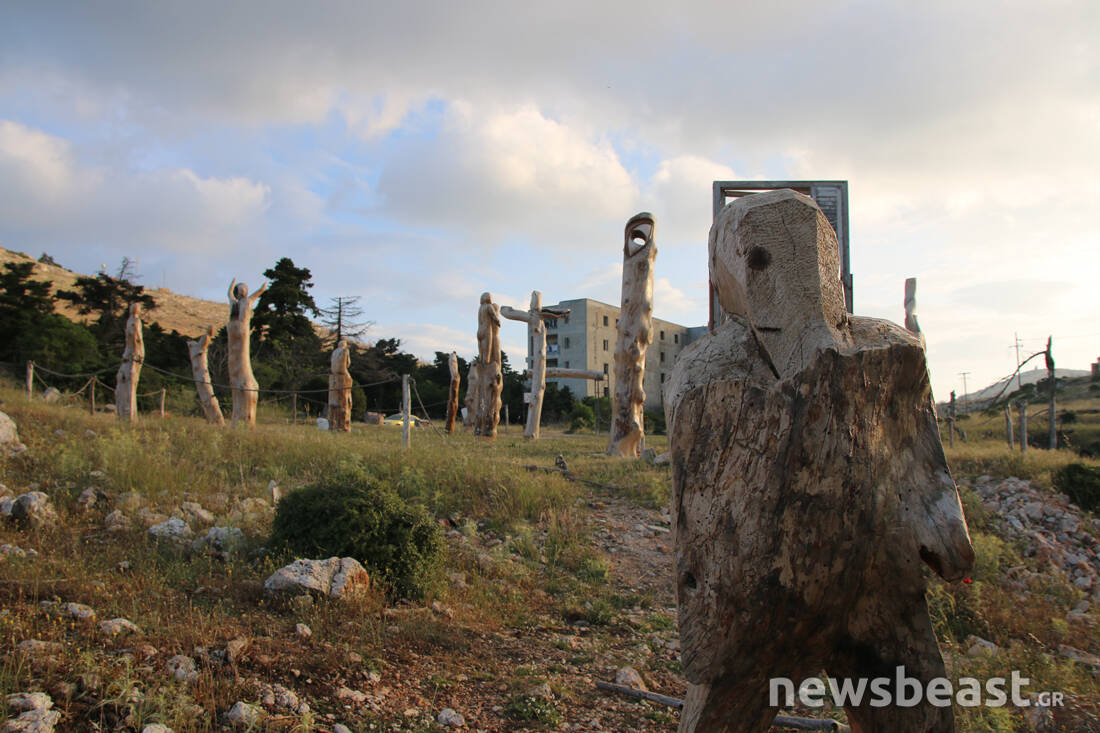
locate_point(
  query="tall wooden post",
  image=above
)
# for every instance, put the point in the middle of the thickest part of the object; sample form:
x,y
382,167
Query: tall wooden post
x,y
951,421
452,396
635,336
535,318
1008,426
92,395
507,419
1050,377
1022,404
200,372
163,392
405,404
126,380
490,379
339,389
30,379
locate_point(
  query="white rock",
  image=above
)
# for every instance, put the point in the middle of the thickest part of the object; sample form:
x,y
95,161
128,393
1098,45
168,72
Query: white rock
x,y
334,577
33,721
51,395
9,436
223,541
15,550
131,501
279,697
6,504
303,631
340,728
116,521
629,677
978,647
275,492
353,696
322,423
193,512
119,626
39,648
450,719
34,508
21,702
182,667
156,728
172,530
78,611
243,715
89,497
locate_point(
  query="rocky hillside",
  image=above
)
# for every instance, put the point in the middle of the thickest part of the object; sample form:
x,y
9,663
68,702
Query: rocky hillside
x,y
189,316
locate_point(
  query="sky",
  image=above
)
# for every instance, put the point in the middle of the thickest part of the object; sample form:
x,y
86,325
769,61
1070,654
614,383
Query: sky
x,y
417,154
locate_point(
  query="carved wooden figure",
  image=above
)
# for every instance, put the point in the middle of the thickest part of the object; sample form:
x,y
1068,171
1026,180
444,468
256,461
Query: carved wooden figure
x,y
241,379
535,318
490,379
200,370
635,336
810,485
133,356
911,322
339,389
452,395
473,393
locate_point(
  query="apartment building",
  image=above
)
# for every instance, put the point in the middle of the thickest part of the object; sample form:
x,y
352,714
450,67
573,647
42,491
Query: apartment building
x,y
585,339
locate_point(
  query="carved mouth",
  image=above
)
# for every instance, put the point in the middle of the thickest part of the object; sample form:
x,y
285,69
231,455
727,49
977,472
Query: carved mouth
x,y
932,560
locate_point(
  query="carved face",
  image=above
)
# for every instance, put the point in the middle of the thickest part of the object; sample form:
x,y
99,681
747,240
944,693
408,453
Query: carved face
x,y
135,310
486,298
240,291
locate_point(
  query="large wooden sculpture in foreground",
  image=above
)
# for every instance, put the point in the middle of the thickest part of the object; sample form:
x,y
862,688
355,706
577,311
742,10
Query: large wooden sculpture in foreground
x,y
535,318
809,484
339,389
635,336
128,372
201,373
452,395
246,390
490,379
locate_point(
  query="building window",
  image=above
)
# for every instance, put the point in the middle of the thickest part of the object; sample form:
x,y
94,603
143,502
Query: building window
x,y
566,363
605,344
675,338
662,357
605,320
606,392
567,342
662,335
605,367
662,377
565,320
616,323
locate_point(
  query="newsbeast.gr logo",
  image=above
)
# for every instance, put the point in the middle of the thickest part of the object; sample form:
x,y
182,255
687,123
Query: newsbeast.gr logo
x,y
906,692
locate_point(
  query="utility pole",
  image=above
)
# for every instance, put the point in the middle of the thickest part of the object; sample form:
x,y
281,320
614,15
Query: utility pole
x,y
966,403
1050,376
1017,345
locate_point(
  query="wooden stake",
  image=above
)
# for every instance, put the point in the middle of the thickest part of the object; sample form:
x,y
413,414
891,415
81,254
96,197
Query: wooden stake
x,y
163,392
94,380
507,419
1050,376
1008,426
126,381
452,396
1022,404
635,336
294,408
951,421
30,379
405,403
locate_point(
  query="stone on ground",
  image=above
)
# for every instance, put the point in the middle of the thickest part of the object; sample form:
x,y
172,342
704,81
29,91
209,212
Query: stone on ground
x,y
34,508
335,577
9,436
450,719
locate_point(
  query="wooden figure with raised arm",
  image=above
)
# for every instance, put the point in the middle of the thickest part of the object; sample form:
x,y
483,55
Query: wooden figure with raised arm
x,y
241,379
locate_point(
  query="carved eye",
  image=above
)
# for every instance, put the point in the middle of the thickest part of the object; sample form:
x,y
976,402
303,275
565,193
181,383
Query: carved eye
x,y
759,258
688,581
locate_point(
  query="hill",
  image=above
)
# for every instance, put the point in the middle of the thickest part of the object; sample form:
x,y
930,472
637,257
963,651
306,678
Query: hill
x,y
190,316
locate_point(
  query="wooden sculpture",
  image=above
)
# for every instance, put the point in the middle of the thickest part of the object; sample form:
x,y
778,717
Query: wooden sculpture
x,y
490,379
339,389
133,356
473,393
809,484
535,318
635,336
911,322
452,395
241,379
200,370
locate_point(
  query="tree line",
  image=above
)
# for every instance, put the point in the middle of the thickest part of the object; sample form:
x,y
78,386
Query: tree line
x,y
290,351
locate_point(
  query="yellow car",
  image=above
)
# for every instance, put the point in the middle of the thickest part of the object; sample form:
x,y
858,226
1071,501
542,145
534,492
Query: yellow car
x,y
399,420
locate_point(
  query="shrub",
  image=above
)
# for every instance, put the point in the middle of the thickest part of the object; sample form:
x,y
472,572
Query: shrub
x,y
581,417
348,514
655,422
1080,483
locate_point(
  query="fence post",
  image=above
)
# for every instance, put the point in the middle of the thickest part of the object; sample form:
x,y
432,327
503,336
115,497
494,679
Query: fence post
x,y
1008,426
94,380
507,421
951,421
1050,375
30,378
294,408
162,393
1023,425
405,410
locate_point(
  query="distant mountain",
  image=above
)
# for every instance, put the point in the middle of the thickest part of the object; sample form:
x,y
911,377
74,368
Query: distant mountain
x,y
190,316
979,399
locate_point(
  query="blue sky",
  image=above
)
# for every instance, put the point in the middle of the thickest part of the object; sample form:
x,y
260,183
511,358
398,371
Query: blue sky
x,y
417,154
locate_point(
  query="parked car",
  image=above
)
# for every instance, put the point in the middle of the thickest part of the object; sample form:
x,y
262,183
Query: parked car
x,y
398,420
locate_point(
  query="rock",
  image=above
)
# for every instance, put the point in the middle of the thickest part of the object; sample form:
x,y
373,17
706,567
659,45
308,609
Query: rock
x,y
6,504
1083,582
662,459
34,509
322,423
182,668
90,434
1080,656
540,692
340,728
156,728
9,436
37,648
131,501
629,677
220,541
172,530
353,696
977,646
280,698
334,577
303,631
51,395
89,497
76,610
150,518
193,513
33,721
243,715
275,492
450,719
116,521
235,649
15,550
21,702
118,627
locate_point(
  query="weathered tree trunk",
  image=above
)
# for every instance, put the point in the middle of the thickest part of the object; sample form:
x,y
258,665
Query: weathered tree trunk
x,y
490,378
561,373
911,322
809,484
128,372
635,336
473,393
535,318
246,390
1008,426
339,389
406,411
1053,442
200,370
452,397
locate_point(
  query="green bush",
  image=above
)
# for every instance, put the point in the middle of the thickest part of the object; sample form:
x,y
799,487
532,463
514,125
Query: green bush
x,y
655,422
1080,483
348,514
581,417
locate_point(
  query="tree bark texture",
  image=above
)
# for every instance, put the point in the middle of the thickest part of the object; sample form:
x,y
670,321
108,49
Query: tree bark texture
x,y
133,356
490,378
809,484
473,393
339,389
200,370
635,336
244,384
452,396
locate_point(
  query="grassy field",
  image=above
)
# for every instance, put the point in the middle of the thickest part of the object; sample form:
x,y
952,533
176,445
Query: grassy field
x,y
539,589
